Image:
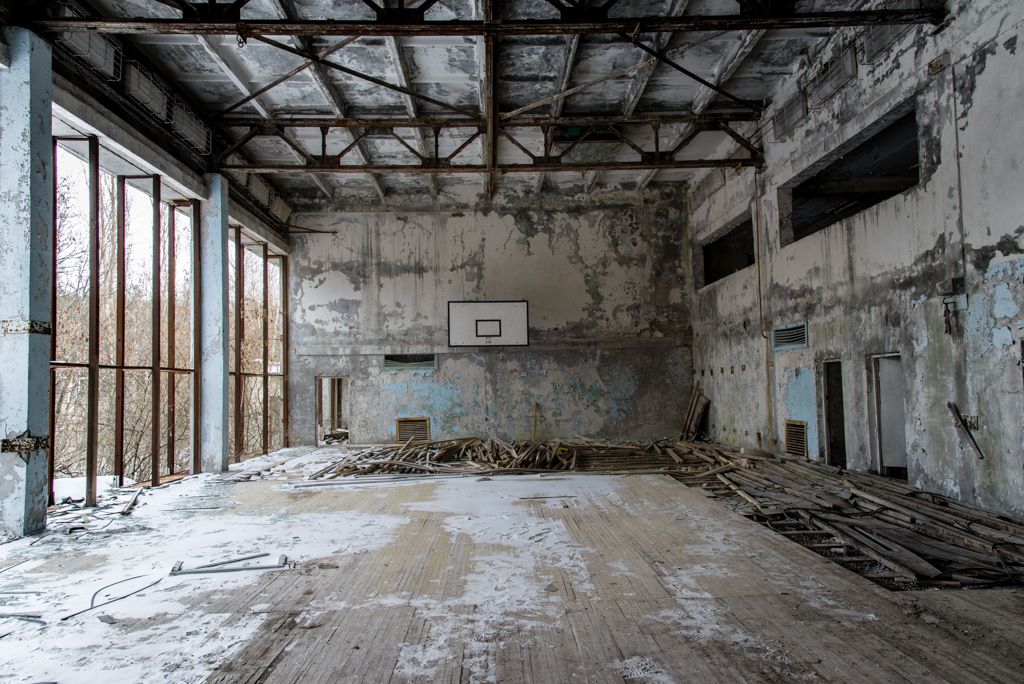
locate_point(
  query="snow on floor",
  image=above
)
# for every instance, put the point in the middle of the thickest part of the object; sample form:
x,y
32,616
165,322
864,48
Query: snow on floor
x,y
165,632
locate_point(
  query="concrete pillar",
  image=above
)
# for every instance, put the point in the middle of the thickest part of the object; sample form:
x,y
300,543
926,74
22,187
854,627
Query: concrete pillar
x,y
26,229
213,314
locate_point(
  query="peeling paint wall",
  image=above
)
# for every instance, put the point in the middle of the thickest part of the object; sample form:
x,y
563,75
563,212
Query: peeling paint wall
x,y
609,352
879,282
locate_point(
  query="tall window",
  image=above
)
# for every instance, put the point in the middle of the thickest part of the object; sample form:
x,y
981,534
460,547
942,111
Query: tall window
x,y
122,349
257,309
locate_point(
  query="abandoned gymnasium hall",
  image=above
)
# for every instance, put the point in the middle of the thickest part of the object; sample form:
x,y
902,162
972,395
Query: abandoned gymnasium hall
x,y
646,341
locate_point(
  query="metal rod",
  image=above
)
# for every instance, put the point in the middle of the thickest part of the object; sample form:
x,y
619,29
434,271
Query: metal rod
x,y
93,390
266,350
119,334
501,168
239,378
322,27
285,384
51,452
197,339
156,351
523,121
171,334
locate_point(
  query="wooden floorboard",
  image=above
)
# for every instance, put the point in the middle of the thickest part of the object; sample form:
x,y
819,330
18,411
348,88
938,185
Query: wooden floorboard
x,y
628,578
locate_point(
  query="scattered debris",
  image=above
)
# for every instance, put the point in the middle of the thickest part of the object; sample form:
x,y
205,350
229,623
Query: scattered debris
x,y
92,601
219,566
897,535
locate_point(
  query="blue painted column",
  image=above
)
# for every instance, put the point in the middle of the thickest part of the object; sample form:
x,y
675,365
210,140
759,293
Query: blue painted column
x,y
26,280
213,314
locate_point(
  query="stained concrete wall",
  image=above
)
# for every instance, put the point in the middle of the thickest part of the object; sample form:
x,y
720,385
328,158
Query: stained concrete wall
x,y
878,282
609,347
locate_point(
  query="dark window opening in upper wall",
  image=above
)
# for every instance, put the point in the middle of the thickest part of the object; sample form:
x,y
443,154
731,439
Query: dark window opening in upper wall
x,y
410,362
732,252
883,166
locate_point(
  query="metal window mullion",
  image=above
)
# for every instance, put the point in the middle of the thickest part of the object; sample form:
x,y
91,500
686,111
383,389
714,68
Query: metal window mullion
x,y
266,348
197,276
171,332
239,380
51,453
120,325
284,351
155,351
93,385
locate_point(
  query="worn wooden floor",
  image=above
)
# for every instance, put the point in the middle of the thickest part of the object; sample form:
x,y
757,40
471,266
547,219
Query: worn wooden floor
x,y
594,579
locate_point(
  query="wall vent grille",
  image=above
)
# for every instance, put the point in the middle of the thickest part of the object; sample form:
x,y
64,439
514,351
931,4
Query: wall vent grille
x,y
838,73
410,362
796,438
790,337
877,40
416,429
791,114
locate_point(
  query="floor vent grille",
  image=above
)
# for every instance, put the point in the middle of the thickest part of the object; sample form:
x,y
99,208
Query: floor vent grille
x,y
796,438
416,429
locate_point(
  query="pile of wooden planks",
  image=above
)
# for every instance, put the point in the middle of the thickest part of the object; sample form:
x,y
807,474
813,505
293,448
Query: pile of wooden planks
x,y
864,520
476,455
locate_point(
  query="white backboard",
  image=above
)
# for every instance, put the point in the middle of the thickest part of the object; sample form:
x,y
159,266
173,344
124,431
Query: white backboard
x,y
488,324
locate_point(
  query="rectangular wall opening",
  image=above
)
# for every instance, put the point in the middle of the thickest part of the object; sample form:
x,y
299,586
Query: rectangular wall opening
x,y
332,410
835,420
728,254
410,362
882,166
890,416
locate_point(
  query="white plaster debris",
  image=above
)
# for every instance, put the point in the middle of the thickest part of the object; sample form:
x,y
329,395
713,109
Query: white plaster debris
x,y
172,631
643,670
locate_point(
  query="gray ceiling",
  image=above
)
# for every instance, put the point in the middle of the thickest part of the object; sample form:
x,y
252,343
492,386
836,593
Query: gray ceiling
x,y
216,72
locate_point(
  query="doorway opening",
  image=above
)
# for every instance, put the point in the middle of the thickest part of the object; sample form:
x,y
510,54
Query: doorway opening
x,y
835,420
332,398
890,416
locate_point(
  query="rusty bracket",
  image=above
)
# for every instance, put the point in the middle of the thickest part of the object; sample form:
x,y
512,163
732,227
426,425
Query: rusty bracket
x,y
24,444
21,327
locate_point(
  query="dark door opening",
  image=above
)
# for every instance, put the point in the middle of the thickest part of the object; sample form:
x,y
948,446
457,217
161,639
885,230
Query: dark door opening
x,y
332,410
891,417
835,421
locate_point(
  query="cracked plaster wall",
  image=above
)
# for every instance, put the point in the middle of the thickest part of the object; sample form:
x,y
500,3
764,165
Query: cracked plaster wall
x,y
875,283
609,352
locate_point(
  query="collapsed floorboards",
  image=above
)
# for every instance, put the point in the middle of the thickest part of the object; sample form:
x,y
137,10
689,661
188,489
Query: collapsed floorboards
x,y
595,578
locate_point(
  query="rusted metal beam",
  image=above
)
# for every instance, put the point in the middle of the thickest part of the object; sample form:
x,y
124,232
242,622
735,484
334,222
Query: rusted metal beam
x,y
155,351
665,118
239,322
546,166
526,27
171,333
120,330
92,412
266,350
197,338
285,401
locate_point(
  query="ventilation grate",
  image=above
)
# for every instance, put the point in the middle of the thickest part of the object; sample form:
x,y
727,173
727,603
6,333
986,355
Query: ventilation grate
x,y
877,40
796,438
838,73
790,337
410,362
416,429
790,115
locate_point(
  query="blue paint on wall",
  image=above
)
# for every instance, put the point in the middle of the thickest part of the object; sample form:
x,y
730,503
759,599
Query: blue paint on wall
x,y
801,402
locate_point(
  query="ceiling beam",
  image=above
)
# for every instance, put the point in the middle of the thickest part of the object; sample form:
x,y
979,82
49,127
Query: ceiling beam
x,y
527,27
638,86
323,82
572,44
664,118
229,71
395,50
702,100
545,166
